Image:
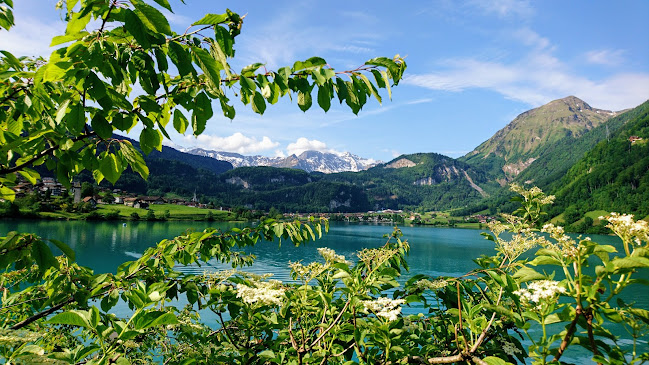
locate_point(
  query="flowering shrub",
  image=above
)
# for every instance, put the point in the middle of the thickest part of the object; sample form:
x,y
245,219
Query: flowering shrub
x,y
508,310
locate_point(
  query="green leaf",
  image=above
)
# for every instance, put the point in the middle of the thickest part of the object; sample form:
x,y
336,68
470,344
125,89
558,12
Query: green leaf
x,y
371,88
7,194
60,39
208,65
124,122
630,262
250,69
77,22
134,158
101,126
150,139
180,122
385,62
210,19
152,17
43,256
386,81
324,97
528,274
201,114
304,100
492,360
155,318
76,119
69,252
164,4
181,59
30,175
267,354
310,63
228,110
71,318
61,111
110,167
136,28
258,103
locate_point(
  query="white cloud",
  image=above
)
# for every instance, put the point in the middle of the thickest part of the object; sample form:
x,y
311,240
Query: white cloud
x,y
235,143
607,57
303,144
30,36
536,78
504,8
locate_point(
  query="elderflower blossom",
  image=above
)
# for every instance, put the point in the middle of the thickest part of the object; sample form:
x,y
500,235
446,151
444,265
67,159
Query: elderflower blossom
x,y
384,307
520,243
565,245
540,291
627,229
330,256
307,272
263,292
432,285
375,256
510,349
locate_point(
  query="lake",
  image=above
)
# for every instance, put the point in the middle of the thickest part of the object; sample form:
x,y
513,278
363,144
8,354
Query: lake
x,y
435,251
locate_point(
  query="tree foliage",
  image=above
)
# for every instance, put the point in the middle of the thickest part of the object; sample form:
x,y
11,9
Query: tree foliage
x,y
62,112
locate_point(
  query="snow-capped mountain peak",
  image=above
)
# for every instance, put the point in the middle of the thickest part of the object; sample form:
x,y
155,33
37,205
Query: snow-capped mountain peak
x,y
309,161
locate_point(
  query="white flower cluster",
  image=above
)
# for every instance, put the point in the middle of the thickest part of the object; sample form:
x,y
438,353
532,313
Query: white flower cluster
x,y
384,307
566,245
520,243
307,272
628,229
330,256
533,193
263,292
432,285
510,349
374,257
540,291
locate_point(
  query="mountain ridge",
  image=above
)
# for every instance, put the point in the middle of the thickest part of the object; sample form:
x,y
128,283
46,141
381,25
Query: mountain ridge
x,y
309,161
517,145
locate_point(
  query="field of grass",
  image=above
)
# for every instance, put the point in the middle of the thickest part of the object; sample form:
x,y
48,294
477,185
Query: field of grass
x,y
176,212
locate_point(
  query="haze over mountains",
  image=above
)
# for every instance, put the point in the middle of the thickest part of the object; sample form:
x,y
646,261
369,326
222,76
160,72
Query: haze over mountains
x,y
587,156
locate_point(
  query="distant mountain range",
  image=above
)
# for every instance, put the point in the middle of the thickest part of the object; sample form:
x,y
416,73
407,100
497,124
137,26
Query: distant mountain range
x,y
590,158
308,161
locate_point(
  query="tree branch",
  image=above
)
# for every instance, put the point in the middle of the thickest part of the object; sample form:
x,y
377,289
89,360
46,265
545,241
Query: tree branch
x,y
42,314
342,311
42,154
566,339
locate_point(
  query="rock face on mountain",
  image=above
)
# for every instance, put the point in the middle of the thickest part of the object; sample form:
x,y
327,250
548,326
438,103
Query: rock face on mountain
x,y
513,148
308,161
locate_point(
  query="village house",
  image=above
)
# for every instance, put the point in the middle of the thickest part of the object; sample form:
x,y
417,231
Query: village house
x,y
151,199
634,139
91,200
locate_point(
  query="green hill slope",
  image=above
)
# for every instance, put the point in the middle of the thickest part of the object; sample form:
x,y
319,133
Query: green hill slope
x,y
512,149
614,175
427,180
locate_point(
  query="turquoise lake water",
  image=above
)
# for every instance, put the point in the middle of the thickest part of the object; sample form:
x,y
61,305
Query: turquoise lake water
x,y
435,251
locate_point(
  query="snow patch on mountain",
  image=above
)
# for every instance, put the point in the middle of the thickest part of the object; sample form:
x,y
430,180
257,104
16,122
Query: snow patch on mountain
x,y
309,161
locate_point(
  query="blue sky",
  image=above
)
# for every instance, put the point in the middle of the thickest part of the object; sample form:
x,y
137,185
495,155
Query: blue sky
x,y
473,66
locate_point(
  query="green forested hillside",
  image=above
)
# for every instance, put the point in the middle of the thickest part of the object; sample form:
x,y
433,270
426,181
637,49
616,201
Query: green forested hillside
x,y
553,163
427,180
614,175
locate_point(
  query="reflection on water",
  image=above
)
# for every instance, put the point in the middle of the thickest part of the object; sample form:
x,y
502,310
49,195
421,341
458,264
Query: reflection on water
x,y
103,246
